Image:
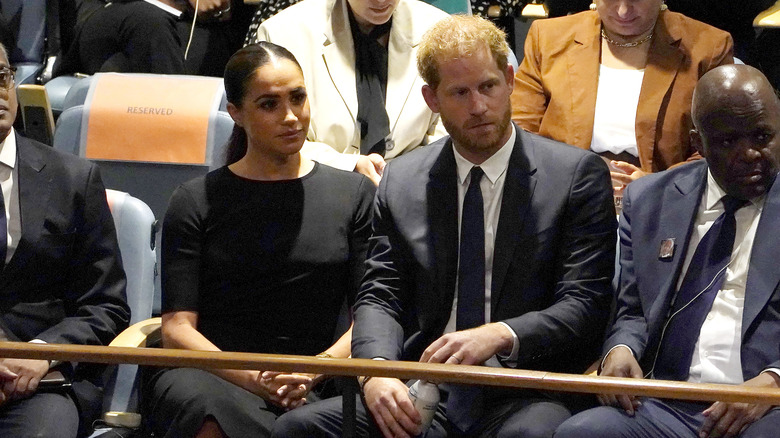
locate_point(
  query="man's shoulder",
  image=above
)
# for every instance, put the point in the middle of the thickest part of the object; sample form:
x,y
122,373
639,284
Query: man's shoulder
x,y
552,153
654,183
30,149
420,159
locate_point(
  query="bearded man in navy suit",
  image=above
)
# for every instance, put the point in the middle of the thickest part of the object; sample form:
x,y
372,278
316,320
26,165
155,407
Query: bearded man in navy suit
x,y
490,247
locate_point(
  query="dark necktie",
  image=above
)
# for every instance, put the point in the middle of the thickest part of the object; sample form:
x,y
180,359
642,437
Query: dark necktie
x,y
471,260
464,405
371,87
701,284
3,232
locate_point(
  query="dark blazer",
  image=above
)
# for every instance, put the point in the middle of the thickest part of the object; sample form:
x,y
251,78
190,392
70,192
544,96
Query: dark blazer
x,y
553,260
557,82
65,283
664,206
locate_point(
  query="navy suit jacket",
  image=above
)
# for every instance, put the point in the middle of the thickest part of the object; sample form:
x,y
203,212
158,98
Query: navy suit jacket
x,y
553,260
65,283
664,206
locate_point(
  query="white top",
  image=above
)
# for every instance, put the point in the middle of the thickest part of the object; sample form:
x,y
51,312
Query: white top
x,y
8,177
492,187
616,101
716,357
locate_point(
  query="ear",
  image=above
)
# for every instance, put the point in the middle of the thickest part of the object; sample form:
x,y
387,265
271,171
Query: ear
x,y
235,114
509,75
429,94
697,142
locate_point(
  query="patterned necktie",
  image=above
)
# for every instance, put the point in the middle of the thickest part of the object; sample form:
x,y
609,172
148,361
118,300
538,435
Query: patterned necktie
x,y
705,276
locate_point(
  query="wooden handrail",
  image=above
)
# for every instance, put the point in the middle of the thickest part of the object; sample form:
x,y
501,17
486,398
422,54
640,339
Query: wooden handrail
x,y
467,374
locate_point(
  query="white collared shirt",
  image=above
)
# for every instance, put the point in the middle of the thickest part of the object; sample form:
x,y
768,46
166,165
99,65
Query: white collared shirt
x,y
492,187
9,175
716,356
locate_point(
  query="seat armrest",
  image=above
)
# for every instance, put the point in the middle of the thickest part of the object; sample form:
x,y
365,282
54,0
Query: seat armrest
x,y
145,333
769,18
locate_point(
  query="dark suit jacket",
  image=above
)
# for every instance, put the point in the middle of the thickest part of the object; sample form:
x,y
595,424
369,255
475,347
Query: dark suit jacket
x,y
664,206
65,283
553,260
557,82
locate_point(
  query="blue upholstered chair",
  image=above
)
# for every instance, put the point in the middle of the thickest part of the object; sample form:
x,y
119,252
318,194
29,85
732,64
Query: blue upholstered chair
x,y
136,229
28,19
152,181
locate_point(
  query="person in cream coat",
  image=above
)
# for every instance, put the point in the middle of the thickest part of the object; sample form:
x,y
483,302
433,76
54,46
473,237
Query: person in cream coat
x,y
319,34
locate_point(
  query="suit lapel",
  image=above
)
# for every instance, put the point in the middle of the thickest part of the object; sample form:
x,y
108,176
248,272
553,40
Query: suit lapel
x,y
34,187
519,188
402,69
680,202
442,195
583,67
763,275
339,55
663,63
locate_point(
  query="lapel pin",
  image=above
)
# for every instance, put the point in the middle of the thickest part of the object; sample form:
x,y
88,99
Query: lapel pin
x,y
666,252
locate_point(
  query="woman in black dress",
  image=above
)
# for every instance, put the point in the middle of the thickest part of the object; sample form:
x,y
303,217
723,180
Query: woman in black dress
x,y
257,256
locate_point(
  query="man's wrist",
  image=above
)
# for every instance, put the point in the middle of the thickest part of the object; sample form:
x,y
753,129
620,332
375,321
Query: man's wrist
x,y
52,363
604,360
775,374
362,380
510,345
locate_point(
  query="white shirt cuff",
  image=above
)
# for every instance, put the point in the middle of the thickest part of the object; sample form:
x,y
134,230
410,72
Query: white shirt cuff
x,y
775,371
512,358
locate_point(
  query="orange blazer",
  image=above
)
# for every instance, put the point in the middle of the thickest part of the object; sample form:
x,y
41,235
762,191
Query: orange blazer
x,y
555,85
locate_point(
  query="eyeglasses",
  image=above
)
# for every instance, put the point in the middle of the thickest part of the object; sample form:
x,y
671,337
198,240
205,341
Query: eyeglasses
x,y
7,77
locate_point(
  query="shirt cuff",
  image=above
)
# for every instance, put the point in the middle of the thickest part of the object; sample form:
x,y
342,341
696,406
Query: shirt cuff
x,y
601,365
512,358
775,371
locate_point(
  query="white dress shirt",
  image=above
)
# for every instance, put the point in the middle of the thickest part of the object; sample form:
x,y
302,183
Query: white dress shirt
x,y
9,174
716,356
492,187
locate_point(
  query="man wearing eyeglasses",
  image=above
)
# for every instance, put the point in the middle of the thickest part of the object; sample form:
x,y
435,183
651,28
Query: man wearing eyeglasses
x,y
61,278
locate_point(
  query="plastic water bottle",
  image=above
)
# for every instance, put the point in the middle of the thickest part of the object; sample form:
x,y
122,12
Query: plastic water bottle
x,y
425,397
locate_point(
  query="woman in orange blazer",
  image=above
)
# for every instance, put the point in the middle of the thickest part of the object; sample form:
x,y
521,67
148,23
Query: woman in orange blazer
x,y
556,85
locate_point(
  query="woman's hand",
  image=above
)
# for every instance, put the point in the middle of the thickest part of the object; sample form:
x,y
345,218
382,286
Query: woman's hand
x,y
212,9
372,166
284,389
628,174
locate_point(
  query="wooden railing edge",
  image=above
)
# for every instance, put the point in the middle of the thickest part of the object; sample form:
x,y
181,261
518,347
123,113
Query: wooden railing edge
x,y
464,374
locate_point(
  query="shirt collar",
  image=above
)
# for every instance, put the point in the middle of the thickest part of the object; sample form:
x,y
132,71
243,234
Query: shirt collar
x,y
714,192
493,167
8,150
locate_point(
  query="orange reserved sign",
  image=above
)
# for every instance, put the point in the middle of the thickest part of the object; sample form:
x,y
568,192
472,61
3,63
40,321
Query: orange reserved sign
x,y
150,118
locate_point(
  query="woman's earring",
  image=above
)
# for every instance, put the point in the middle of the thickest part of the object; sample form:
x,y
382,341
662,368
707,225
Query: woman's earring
x,y
593,6
664,7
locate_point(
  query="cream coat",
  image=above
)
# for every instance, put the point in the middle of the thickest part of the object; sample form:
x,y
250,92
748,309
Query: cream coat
x,y
317,32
